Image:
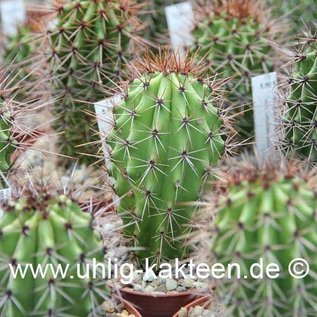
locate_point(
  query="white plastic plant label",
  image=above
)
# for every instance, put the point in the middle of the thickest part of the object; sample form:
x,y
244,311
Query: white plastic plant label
x,y
180,22
5,195
105,120
264,91
12,15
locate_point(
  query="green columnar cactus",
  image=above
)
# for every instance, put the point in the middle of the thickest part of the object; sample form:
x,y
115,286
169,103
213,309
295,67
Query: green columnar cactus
x,y
300,126
166,140
234,37
271,215
52,233
90,46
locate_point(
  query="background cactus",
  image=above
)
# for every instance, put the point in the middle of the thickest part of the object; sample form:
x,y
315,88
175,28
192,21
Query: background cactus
x,y
44,229
270,214
156,18
166,141
7,143
235,37
19,46
300,129
90,46
300,12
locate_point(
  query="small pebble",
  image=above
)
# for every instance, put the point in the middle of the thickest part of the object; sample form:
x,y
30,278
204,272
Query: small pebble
x,y
171,284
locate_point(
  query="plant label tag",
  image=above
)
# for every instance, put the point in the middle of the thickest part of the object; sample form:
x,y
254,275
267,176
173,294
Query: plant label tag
x,y
105,121
12,15
180,22
5,195
264,92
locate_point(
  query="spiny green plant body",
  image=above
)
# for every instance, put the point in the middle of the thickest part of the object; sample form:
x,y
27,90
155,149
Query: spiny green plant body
x,y
301,104
165,142
235,39
19,46
17,58
300,12
7,142
51,233
274,219
157,21
90,47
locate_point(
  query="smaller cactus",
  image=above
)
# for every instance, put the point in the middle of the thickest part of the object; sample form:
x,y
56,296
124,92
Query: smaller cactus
x,y
235,37
45,229
299,12
15,138
267,213
19,47
300,127
89,48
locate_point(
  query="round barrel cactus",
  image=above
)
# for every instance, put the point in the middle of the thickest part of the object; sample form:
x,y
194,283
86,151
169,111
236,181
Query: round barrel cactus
x,y
90,46
166,141
235,37
300,128
52,235
266,216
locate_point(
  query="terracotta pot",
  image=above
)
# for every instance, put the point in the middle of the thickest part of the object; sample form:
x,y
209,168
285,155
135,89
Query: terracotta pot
x,y
165,305
130,308
38,17
202,301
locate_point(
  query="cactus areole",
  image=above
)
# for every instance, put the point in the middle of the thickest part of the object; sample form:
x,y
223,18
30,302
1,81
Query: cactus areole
x,y
46,232
268,215
165,143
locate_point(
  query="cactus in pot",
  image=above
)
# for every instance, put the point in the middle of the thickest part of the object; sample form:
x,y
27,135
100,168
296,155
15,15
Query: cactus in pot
x,y
236,37
89,47
266,214
300,128
48,230
166,141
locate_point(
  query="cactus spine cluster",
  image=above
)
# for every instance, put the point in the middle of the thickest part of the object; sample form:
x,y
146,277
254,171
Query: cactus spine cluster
x,y
54,233
90,46
300,128
234,36
166,141
269,214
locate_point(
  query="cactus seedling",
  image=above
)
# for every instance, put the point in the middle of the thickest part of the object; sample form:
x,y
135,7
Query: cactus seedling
x,y
50,231
90,45
167,139
267,214
300,127
235,37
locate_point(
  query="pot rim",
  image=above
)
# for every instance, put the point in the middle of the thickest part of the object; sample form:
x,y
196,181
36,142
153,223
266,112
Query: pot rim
x,y
202,301
176,294
130,308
